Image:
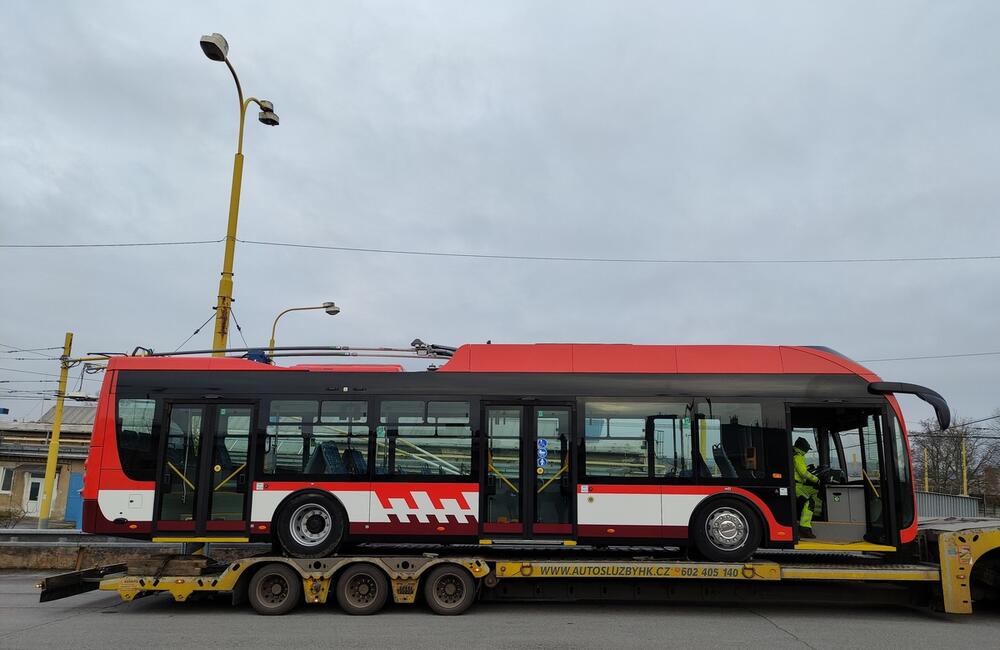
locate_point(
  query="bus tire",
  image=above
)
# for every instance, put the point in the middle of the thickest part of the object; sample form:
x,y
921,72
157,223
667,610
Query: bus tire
x,y
275,589
311,525
449,589
726,530
362,589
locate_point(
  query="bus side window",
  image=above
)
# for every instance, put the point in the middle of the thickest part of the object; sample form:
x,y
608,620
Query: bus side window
x,y
735,442
424,438
138,438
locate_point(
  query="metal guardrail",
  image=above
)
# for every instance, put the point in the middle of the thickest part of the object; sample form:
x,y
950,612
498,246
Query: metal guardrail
x,y
934,504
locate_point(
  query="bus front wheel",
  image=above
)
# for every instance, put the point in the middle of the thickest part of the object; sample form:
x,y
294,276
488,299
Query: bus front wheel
x,y
726,530
311,525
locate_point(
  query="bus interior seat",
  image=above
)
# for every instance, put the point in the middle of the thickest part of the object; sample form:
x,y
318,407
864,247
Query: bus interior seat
x,y
355,462
325,459
722,461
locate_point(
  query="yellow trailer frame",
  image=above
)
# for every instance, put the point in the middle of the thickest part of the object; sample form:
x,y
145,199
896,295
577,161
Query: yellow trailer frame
x,y
404,573
950,550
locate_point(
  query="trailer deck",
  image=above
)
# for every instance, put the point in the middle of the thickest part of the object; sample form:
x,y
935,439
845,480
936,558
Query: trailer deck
x,y
452,578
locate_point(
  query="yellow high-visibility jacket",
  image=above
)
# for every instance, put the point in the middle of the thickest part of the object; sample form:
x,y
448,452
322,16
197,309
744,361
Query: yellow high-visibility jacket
x,y
802,473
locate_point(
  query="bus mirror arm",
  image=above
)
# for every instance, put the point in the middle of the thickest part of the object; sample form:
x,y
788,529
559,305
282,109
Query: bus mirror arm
x,y
933,398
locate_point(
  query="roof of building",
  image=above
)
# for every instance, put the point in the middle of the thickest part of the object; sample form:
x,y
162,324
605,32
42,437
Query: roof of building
x,y
71,415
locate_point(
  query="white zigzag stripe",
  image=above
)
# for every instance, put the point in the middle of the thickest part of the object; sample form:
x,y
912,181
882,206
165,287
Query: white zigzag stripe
x,y
425,509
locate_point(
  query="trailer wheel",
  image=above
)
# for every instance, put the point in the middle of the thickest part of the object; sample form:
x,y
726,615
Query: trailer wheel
x,y
362,589
449,589
311,525
726,530
275,589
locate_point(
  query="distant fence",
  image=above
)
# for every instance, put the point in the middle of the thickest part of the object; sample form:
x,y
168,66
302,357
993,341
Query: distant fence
x,y
933,504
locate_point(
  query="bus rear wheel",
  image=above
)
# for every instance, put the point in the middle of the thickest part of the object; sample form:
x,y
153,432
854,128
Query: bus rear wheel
x,y
311,525
726,530
362,589
275,589
449,589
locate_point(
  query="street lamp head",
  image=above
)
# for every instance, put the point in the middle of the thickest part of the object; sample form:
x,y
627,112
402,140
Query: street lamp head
x,y
215,47
267,115
331,308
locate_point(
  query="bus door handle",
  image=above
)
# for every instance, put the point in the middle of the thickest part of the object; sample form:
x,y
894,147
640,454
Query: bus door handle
x,y
564,486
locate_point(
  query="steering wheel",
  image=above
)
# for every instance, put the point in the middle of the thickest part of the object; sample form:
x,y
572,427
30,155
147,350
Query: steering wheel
x,y
827,474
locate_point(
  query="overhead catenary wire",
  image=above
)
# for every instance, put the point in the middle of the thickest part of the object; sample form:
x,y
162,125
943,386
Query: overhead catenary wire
x,y
932,356
195,333
36,351
42,374
522,257
195,242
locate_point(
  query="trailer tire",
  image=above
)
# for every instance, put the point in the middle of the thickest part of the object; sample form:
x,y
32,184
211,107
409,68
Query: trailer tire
x,y
362,589
311,525
726,530
449,589
275,589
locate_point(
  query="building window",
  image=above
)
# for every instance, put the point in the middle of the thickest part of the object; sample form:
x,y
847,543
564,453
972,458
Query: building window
x,y
317,438
424,438
6,479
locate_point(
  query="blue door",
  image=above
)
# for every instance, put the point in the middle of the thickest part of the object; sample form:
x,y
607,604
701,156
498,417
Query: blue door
x,y
74,500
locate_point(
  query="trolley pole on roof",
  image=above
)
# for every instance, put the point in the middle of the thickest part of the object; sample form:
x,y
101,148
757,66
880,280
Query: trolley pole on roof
x,y
216,48
53,458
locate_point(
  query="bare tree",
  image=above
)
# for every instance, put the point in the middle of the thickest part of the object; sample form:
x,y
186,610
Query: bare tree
x,y
944,456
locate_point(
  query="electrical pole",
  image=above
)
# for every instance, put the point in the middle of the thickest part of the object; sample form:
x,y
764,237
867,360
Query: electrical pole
x,y
53,457
927,469
965,468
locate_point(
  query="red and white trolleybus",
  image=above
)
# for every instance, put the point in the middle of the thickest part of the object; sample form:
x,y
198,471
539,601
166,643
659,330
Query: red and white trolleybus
x,y
544,443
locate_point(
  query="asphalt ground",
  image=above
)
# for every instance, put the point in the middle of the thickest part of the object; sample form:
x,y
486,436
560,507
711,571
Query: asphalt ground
x,y
102,620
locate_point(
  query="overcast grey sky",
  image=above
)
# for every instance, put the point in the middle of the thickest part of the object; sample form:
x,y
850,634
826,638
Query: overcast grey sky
x,y
697,130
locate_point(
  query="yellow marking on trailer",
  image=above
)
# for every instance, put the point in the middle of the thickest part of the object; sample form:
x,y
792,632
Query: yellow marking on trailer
x,y
632,569
486,542
806,572
813,545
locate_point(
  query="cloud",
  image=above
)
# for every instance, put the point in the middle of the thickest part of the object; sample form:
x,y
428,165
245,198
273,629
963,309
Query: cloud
x,y
586,129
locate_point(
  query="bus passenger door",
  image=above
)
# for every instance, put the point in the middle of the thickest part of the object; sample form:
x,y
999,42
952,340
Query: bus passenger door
x,y
202,478
226,508
502,492
548,471
528,492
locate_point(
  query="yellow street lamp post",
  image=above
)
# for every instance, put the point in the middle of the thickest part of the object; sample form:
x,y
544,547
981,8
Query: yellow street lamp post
x,y
328,307
216,48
